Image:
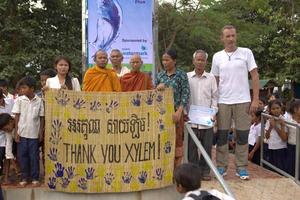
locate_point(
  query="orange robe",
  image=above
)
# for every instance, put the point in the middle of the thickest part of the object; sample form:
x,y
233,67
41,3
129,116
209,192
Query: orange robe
x,y
101,80
136,81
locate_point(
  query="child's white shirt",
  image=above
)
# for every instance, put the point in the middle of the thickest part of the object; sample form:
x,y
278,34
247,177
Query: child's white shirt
x,y
292,132
275,142
213,192
9,103
30,112
254,133
9,145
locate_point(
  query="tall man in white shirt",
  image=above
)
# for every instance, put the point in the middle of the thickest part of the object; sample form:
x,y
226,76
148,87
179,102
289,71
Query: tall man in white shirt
x,y
203,87
116,58
231,67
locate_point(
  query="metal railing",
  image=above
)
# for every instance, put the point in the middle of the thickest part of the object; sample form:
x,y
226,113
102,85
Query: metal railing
x,y
297,154
206,157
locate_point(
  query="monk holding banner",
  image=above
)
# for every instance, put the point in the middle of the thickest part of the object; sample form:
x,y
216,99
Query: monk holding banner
x,y
99,78
136,80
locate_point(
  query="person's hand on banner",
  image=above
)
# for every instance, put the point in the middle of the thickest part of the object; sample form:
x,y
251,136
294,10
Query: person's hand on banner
x,y
160,87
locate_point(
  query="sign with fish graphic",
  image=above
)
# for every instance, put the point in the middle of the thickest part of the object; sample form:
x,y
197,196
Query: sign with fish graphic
x,y
121,24
109,142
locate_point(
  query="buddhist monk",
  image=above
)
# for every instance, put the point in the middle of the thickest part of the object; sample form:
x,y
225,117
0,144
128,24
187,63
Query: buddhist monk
x,y
99,78
136,80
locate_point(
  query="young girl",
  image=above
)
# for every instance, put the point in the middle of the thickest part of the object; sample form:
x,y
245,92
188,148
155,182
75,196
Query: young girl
x,y
295,112
254,138
63,80
275,132
6,105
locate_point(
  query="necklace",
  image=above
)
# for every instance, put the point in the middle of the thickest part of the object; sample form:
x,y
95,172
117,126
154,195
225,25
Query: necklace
x,y
229,56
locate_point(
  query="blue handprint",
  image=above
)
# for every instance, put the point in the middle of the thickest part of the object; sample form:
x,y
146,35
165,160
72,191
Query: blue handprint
x,y
55,132
70,172
113,104
108,178
142,177
161,111
159,173
89,172
79,103
159,98
136,101
62,98
167,147
149,100
52,183
95,106
56,125
65,182
82,183
161,124
59,170
127,177
53,154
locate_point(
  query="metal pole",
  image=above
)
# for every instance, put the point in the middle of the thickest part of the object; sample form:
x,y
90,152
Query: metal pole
x,y
155,38
297,154
185,145
208,161
83,34
262,136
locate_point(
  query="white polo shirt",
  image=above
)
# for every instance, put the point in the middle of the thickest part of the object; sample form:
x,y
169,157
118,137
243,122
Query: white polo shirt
x,y
9,103
30,112
233,75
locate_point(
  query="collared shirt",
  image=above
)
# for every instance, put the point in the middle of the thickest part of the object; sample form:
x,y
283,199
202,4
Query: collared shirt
x,y
204,91
180,85
254,133
8,105
30,112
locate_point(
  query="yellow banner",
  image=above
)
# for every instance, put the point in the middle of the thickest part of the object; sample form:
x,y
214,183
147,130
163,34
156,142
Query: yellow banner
x,y
109,142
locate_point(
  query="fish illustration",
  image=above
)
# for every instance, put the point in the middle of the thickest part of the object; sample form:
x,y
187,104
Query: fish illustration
x,y
109,20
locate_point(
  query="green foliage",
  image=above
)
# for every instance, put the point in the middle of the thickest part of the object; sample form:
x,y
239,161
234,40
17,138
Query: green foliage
x,y
31,37
269,27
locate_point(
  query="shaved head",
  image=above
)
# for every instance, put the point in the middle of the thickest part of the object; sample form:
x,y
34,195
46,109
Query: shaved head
x,y
136,62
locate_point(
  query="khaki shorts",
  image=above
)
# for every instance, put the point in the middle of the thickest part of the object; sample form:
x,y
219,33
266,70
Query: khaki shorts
x,y
238,112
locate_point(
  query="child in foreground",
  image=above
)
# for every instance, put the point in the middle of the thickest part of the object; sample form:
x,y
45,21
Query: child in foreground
x,y
188,180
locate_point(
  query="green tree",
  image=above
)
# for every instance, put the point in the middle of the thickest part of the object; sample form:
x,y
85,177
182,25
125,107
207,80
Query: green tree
x,y
31,36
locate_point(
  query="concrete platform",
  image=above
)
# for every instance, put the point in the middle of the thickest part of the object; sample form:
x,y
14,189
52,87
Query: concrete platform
x,y
41,193
263,185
